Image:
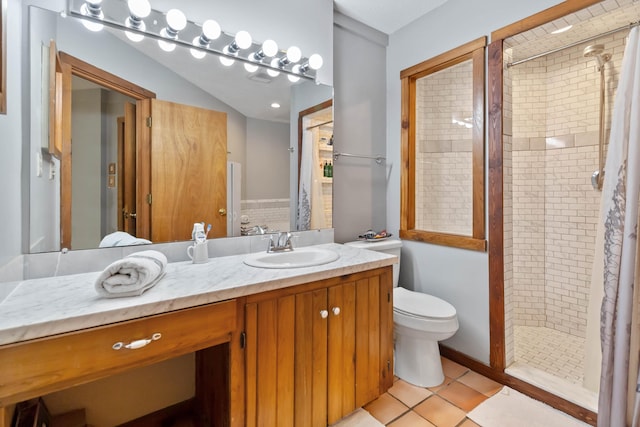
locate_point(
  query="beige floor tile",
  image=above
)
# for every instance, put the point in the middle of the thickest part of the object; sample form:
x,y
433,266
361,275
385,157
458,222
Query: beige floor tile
x,y
386,408
452,369
439,412
409,394
468,423
411,419
480,383
464,397
446,382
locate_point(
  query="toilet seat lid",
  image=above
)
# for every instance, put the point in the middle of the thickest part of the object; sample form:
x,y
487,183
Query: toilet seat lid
x,y
421,305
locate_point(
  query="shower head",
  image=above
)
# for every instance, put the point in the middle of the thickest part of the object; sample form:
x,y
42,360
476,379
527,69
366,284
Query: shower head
x,y
595,51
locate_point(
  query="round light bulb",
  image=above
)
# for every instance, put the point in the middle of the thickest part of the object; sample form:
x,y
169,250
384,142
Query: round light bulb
x,y
139,8
89,25
272,72
243,39
315,61
269,48
227,62
211,29
294,54
134,37
166,46
251,68
292,78
198,54
176,20
275,105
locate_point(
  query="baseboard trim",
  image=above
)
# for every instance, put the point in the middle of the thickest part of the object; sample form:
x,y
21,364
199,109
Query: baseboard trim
x,y
532,391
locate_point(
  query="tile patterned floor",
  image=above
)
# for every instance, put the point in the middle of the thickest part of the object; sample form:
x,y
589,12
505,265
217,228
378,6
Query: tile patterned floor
x,y
555,352
446,405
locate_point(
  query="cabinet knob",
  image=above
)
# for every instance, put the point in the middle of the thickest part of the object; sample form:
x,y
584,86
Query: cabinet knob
x,y
336,310
324,314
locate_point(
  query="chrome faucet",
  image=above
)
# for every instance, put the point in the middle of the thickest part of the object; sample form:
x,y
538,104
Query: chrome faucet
x,y
282,243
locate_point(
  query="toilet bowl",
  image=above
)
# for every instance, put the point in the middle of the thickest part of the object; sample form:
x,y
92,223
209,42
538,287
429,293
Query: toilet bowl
x,y
419,322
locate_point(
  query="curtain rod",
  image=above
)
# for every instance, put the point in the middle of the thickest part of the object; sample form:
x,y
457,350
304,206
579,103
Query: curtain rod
x,y
321,124
626,27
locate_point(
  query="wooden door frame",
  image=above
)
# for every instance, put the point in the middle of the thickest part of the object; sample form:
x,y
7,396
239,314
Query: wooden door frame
x,y
61,125
301,115
497,352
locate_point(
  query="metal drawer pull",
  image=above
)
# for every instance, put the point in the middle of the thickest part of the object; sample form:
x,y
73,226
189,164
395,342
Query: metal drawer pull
x,y
324,314
336,310
137,343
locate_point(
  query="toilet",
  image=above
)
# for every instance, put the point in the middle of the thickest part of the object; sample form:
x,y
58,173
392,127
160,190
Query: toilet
x,y
419,322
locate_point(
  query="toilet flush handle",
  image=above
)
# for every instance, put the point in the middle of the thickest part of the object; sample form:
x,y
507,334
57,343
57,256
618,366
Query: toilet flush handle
x,y
336,310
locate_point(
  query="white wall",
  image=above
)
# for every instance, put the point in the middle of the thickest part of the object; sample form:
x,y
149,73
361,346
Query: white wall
x,y
458,276
87,135
359,128
267,156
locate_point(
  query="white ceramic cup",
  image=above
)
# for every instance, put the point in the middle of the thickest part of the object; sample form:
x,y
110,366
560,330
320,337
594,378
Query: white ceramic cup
x,y
198,252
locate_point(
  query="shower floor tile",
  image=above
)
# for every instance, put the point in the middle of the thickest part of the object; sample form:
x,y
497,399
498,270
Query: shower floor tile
x,y
554,352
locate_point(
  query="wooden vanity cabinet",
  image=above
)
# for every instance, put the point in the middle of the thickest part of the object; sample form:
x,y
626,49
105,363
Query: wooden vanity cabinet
x,y
316,352
34,368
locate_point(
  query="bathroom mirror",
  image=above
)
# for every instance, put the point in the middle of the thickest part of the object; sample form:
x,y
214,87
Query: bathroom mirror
x,y
258,139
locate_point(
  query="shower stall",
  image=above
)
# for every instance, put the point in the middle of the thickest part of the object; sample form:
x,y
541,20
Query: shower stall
x,y
557,114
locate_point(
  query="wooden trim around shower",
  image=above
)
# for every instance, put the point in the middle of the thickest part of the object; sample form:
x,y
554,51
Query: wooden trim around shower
x,y
541,18
497,349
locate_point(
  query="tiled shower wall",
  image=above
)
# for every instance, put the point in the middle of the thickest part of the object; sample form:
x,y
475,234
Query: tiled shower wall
x,y
443,151
555,209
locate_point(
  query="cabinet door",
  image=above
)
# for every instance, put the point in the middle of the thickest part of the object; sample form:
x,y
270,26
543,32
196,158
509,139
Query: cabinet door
x,y
341,351
270,362
311,359
374,338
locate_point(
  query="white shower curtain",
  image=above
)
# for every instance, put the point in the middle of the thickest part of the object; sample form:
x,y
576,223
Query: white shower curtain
x,y
620,215
310,201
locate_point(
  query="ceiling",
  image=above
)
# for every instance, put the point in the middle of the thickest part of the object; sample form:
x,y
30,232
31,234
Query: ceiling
x,y
590,22
386,15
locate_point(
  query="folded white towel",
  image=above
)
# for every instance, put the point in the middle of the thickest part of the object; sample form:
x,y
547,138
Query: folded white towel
x,y
132,275
121,238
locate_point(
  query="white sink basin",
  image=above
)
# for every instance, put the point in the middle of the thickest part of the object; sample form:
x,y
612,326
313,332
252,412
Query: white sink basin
x,y
302,257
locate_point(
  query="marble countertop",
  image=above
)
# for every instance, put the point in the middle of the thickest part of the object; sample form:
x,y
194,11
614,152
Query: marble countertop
x,y
54,305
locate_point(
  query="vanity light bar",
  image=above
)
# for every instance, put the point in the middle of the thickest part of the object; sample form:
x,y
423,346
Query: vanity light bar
x,y
116,14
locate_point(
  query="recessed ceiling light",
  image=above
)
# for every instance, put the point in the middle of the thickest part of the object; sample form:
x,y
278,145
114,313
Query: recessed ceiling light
x,y
562,30
275,105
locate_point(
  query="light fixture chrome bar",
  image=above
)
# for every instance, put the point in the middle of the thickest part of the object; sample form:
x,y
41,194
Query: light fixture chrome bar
x,y
570,45
378,159
116,19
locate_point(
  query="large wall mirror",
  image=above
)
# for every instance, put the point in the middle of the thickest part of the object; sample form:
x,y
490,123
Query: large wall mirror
x,y
260,142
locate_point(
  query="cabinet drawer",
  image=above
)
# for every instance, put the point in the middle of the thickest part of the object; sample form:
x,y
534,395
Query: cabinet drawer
x,y
38,367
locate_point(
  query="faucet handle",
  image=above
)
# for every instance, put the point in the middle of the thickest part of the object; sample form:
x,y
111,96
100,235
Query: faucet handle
x,y
271,246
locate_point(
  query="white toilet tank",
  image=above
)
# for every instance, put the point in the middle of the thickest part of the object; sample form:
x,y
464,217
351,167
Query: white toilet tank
x,y
387,246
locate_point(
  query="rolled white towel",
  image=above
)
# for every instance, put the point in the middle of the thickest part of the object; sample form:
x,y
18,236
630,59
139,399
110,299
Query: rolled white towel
x,y
131,275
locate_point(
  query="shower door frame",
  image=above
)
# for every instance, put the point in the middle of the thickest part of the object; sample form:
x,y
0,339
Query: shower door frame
x,y
497,355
